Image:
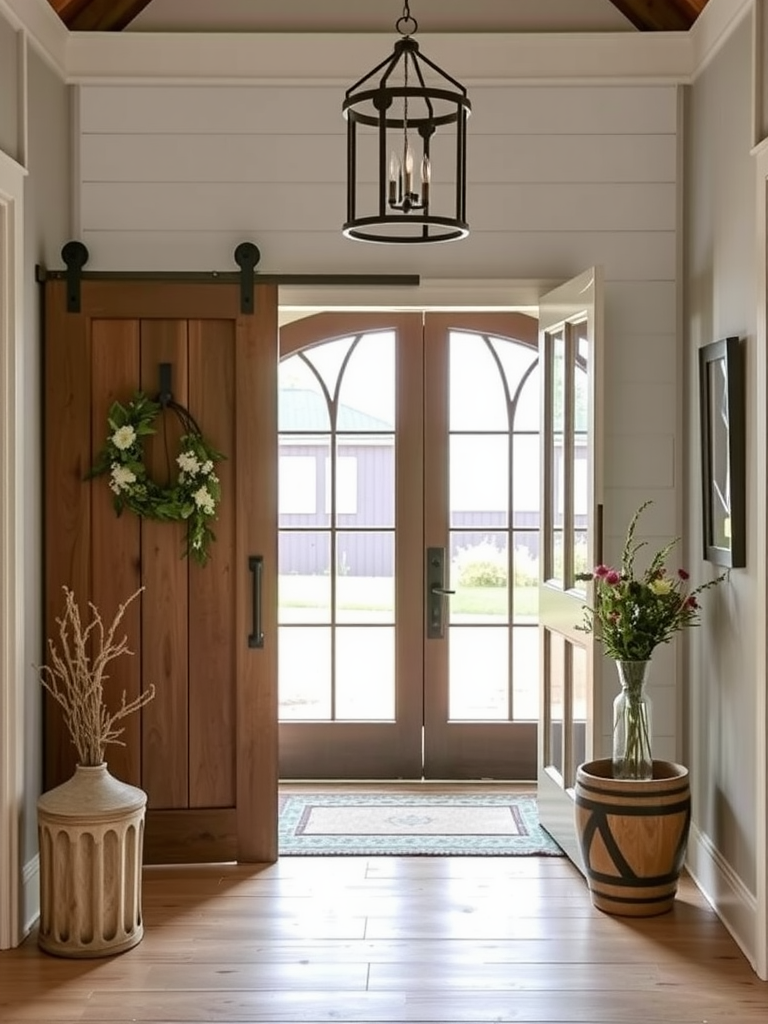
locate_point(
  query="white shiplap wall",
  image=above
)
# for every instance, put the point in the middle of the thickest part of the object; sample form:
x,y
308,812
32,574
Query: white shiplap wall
x,y
559,177
562,176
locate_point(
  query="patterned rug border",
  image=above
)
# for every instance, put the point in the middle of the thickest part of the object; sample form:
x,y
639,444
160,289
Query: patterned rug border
x,y
294,809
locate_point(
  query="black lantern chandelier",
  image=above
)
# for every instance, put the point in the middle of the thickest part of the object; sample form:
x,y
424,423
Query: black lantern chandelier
x,y
418,169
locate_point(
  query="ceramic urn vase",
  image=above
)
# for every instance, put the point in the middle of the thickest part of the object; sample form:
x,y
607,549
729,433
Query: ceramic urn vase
x,y
91,833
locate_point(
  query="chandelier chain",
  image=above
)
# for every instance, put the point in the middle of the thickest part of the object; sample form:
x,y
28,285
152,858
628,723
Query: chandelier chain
x,y
405,20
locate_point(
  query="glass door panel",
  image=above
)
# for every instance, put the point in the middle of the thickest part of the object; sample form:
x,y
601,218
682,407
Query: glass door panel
x,y
481,507
579,710
365,674
556,662
482,655
305,696
350,445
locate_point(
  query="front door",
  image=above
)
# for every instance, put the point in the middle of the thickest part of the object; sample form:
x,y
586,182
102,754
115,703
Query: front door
x,y
205,750
408,497
570,326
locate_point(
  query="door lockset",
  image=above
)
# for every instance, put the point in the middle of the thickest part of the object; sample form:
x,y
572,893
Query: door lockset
x,y
436,593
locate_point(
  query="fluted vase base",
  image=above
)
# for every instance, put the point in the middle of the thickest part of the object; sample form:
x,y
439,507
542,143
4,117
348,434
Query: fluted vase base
x,y
91,832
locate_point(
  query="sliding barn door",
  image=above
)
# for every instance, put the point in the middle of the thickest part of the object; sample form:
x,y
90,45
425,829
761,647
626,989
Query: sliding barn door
x,y
205,750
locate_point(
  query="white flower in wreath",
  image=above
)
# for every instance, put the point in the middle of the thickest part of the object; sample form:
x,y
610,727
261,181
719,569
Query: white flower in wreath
x,y
121,478
204,501
188,463
207,468
194,496
124,437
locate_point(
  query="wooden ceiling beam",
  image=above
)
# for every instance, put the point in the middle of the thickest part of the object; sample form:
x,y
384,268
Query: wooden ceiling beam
x,y
98,15
68,9
661,15
115,15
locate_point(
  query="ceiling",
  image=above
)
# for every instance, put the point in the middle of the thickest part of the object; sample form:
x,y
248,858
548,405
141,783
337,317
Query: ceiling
x,y
377,15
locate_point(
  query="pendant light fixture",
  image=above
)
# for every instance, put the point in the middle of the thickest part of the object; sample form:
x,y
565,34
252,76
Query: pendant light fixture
x,y
406,148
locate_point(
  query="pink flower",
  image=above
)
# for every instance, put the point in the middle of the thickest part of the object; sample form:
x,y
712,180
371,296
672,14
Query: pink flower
x,y
634,612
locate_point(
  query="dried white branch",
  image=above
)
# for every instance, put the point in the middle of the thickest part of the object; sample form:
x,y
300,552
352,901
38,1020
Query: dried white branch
x,y
76,681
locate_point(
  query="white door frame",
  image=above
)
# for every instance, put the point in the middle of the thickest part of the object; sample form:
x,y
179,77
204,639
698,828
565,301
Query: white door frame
x,y
12,673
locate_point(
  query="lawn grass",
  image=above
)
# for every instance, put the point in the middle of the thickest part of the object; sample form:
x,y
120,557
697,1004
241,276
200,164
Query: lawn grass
x,y
371,593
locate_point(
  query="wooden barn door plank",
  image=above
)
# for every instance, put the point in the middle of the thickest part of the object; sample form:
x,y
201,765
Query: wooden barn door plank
x,y
67,526
212,673
116,541
256,360
164,627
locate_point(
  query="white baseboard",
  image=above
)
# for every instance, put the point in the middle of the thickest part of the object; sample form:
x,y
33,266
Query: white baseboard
x,y
30,895
729,897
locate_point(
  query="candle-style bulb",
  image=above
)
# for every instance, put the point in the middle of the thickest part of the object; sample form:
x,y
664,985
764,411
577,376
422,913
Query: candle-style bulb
x,y
394,177
426,179
408,168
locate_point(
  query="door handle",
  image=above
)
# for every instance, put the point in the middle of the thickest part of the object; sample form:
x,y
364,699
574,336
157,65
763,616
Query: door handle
x,y
256,565
436,593
599,535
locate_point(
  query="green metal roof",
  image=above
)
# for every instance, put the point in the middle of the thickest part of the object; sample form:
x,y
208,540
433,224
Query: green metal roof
x,y
300,409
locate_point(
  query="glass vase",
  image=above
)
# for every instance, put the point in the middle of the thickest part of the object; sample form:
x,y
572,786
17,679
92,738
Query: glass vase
x,y
632,758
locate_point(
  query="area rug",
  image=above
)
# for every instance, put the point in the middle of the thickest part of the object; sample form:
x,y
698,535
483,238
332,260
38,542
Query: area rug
x,y
408,825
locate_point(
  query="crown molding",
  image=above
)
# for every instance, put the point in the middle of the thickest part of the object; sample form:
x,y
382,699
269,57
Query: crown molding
x,y
305,59
42,27
713,27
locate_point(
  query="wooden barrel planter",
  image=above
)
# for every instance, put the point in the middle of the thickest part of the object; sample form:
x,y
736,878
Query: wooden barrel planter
x,y
633,836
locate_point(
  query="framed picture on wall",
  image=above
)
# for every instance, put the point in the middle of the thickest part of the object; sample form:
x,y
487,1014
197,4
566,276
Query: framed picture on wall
x,y
721,400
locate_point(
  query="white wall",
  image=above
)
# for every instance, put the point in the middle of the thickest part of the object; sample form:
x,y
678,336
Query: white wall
x,y
9,135
35,126
47,220
724,676
178,175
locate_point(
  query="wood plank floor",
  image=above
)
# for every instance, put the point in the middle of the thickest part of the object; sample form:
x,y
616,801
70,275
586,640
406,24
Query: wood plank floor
x,y
387,939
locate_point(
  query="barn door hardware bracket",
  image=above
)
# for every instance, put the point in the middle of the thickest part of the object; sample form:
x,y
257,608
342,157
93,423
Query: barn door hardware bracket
x,y
247,256
166,401
75,256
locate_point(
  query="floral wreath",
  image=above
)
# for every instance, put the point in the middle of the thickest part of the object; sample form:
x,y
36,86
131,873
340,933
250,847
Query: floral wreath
x,y
194,496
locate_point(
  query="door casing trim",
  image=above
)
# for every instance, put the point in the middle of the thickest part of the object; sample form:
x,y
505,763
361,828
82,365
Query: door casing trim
x,y
12,674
